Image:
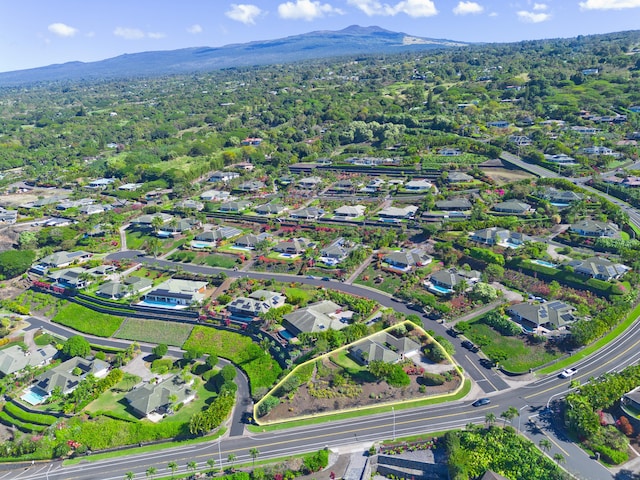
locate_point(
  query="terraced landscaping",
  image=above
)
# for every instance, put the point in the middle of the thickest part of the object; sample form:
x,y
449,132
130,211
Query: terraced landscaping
x,y
154,331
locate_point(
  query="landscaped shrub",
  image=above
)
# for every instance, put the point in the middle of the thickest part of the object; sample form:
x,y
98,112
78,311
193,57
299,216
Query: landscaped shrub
x,y
10,421
433,379
501,324
268,404
28,417
161,365
316,461
611,455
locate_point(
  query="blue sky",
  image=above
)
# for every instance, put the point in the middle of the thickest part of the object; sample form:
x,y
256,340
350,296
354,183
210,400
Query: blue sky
x,y
35,33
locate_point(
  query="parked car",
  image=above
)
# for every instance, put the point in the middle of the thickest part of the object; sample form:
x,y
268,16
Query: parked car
x,y
467,344
452,332
481,401
569,372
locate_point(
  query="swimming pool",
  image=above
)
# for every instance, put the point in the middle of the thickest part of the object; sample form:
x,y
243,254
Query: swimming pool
x,y
33,398
195,244
149,303
286,334
439,289
544,263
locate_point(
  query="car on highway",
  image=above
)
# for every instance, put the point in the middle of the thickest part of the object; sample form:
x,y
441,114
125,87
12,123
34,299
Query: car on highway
x,y
470,346
325,279
481,401
569,372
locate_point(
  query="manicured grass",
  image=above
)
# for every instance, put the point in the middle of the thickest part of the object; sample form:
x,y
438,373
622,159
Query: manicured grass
x,y
464,391
88,321
261,369
350,366
296,292
585,352
520,357
155,331
390,283
45,339
222,261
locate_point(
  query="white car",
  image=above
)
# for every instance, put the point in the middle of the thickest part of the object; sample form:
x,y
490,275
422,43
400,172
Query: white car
x,y
568,372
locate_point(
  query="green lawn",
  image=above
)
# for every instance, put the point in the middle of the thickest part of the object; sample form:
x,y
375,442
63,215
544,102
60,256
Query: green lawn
x,y
155,331
222,261
88,321
520,357
390,281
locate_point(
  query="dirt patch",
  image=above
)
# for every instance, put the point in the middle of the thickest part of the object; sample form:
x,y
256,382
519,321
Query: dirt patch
x,y
321,395
503,175
14,287
16,199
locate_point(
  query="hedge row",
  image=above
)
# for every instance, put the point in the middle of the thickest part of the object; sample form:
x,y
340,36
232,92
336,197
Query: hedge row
x,y
22,426
29,417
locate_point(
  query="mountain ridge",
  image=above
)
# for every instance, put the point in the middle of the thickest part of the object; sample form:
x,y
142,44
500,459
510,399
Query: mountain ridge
x,y
351,40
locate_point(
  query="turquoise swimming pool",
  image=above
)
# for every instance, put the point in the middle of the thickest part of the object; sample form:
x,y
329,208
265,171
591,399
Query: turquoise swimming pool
x,y
33,398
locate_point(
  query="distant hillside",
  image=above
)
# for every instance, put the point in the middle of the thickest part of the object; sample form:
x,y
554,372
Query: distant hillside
x,y
321,44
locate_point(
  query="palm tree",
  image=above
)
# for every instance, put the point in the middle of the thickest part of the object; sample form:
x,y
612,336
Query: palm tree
x,y
153,246
490,419
129,476
192,466
510,414
558,458
254,452
231,458
211,462
173,466
156,223
151,471
545,445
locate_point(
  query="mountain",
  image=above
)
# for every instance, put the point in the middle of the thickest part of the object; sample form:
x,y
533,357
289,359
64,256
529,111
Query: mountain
x,y
353,40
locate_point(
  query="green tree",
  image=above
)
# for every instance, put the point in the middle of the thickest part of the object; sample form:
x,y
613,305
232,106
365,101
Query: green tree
x,y
153,246
509,414
129,476
151,471
545,445
15,262
231,458
160,350
559,458
173,466
76,346
254,452
490,419
192,465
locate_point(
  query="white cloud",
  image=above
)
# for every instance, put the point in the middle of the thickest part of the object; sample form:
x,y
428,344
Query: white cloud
x,y
540,6
493,14
532,17
62,30
244,13
128,33
467,8
194,29
156,35
306,10
412,8
609,4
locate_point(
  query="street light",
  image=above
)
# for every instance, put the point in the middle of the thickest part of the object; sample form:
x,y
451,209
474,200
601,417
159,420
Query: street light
x,y
520,417
394,423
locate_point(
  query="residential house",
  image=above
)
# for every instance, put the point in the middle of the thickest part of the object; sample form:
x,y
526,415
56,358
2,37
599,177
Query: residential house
x,y
60,260
512,207
336,252
271,208
159,398
253,141
101,183
8,216
454,204
216,196
599,268
132,285
130,187
70,277
257,303
383,347
374,185
235,206
14,359
395,214
147,220
499,236
246,166
349,212
419,186
521,140
68,375
189,204
599,150
309,183
629,181
443,282
343,187
594,228
561,159
585,130
590,71
250,240
561,197
307,213
174,293
217,234
67,204
224,177
317,317
450,152
498,124
553,315
251,186
407,260
631,401
294,246
458,177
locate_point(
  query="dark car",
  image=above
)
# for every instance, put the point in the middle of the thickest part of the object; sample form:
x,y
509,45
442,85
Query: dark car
x,y
468,345
481,401
325,279
452,332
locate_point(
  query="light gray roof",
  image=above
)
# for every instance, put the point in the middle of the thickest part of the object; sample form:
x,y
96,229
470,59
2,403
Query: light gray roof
x,y
598,267
555,313
149,398
13,359
251,240
314,318
220,233
62,375
512,206
409,258
454,204
63,257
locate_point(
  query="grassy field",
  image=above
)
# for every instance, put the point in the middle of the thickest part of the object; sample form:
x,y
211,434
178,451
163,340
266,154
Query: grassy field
x,y
520,357
155,331
222,261
390,283
88,321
